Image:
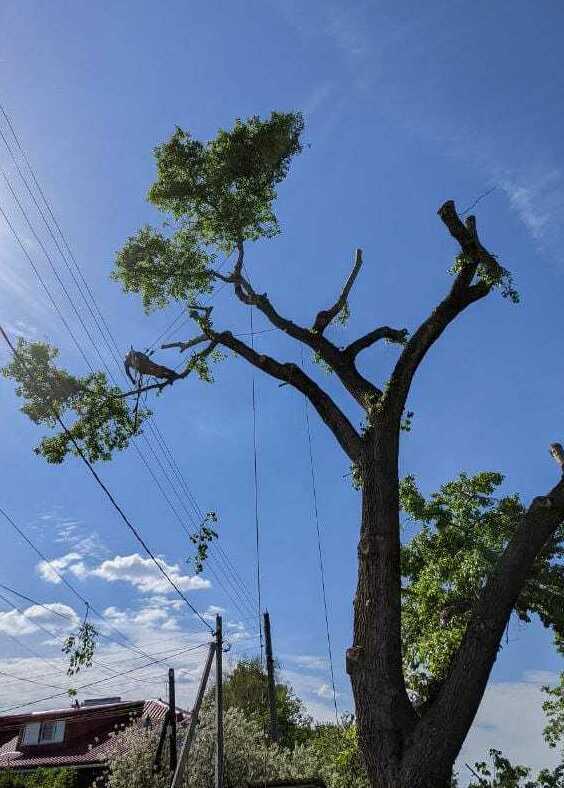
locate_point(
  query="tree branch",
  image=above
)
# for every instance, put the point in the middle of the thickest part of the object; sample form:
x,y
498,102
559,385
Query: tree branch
x,y
348,438
187,344
442,731
461,295
327,315
364,342
358,386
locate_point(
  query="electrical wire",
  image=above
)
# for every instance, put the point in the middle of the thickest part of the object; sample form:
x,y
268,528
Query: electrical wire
x,y
101,323
114,502
101,681
72,588
320,552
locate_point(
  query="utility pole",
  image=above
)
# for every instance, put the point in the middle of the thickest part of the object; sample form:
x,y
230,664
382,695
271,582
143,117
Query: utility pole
x,y
185,751
219,702
172,719
271,685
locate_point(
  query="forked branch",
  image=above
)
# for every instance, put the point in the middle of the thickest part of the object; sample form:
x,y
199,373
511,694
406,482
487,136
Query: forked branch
x,y
461,295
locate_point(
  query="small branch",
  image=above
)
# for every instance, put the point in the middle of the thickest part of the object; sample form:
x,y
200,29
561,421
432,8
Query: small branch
x,y
360,388
327,315
187,344
201,355
384,332
151,387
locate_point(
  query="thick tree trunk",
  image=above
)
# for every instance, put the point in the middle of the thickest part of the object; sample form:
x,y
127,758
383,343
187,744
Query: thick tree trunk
x,y
384,713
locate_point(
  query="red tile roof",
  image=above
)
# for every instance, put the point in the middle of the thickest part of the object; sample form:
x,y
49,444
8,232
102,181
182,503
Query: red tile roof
x,y
89,739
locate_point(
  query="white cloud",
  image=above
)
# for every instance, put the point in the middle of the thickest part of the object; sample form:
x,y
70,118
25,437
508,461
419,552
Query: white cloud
x,y
213,611
143,574
325,691
511,719
50,570
26,622
308,661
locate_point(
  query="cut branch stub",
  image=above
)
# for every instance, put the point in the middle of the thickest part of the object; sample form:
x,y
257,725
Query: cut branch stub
x,y
325,317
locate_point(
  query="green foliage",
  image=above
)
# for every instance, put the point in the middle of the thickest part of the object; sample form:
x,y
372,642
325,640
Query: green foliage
x,y
216,194
464,530
500,773
406,422
79,647
246,689
553,707
248,756
202,540
493,275
335,749
320,361
164,269
40,778
103,421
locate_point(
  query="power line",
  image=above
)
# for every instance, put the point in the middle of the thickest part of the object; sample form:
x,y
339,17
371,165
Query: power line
x,y
101,323
101,681
102,326
71,587
96,662
320,552
256,489
114,503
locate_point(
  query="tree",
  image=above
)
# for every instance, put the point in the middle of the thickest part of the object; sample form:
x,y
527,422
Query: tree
x,y
464,531
554,707
245,688
249,757
218,198
39,778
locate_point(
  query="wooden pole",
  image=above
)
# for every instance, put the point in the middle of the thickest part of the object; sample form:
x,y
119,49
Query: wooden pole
x,y
172,718
271,684
219,702
162,738
185,751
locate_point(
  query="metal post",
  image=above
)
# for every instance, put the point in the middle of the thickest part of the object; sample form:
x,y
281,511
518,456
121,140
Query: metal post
x,y
172,710
271,685
185,751
219,703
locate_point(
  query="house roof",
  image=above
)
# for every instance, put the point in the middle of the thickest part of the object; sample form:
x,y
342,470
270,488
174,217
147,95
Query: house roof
x,y
92,742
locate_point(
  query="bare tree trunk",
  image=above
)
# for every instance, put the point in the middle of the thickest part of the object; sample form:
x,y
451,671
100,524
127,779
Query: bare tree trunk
x,y
384,713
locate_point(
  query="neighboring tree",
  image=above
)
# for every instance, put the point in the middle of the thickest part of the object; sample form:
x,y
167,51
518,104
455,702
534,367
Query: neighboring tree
x,y
554,708
500,773
464,530
218,197
334,750
40,778
246,688
248,755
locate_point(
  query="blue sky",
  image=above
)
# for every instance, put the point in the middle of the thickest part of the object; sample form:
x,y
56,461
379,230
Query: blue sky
x,y
405,106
